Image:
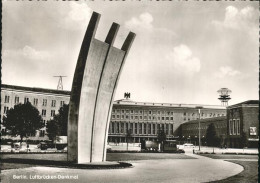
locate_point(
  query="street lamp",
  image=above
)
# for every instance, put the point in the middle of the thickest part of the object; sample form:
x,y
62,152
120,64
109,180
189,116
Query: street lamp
x,y
199,108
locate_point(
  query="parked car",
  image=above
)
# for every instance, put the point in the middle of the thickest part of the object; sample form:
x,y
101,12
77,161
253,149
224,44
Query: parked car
x,y
188,145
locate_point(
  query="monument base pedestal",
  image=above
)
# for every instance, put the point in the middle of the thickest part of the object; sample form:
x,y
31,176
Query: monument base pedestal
x,y
100,165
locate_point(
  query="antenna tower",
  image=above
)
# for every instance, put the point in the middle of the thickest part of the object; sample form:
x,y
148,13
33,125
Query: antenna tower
x,y
60,85
224,96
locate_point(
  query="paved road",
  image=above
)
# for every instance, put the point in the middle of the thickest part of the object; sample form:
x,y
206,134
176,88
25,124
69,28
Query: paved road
x,y
202,169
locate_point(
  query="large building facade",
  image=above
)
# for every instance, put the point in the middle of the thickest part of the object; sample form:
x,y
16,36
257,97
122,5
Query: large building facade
x,y
135,121
243,118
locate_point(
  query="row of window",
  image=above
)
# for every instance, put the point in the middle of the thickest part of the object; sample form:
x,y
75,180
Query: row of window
x,y
35,101
196,127
44,113
141,117
139,128
127,111
234,127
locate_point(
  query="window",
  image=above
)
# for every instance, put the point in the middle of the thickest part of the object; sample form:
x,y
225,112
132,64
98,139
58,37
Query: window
x,y
230,127
141,112
184,114
132,111
26,99
149,128
122,127
234,127
167,118
62,103
150,117
153,128
167,129
53,103
123,111
168,112
127,111
6,109
122,116
52,113
44,121
44,102
126,117
159,112
42,133
117,116
113,127
113,111
7,99
140,128
171,127
117,127
141,117
145,128
162,118
136,128
16,100
113,116
150,112
136,117
238,127
35,101
171,113
44,112
171,118
132,117
145,117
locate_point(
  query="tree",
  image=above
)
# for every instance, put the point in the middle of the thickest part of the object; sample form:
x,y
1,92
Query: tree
x,y
161,137
59,124
243,140
211,136
23,119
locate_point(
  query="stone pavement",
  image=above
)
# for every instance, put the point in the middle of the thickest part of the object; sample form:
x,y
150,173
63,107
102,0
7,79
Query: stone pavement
x,y
202,169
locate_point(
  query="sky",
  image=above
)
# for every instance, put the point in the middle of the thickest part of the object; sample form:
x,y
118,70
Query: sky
x,y
184,51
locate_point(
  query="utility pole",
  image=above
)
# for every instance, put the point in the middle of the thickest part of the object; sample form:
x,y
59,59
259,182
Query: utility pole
x,y
60,85
199,108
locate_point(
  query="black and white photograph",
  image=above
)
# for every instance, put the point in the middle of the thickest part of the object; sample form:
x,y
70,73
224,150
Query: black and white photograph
x,y
129,91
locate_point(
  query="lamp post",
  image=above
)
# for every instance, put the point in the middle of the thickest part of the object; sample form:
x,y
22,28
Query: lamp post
x,y
199,108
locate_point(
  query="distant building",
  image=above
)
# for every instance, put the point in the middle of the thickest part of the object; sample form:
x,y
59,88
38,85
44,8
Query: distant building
x,y
47,101
145,119
243,117
190,130
142,119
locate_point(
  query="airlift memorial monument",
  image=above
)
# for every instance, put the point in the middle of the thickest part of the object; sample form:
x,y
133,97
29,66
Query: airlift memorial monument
x,y
95,80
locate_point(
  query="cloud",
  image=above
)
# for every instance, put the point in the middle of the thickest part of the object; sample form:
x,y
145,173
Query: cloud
x,y
182,59
27,52
226,71
144,21
245,18
78,16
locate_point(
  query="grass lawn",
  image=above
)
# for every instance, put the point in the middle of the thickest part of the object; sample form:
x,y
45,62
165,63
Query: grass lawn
x,y
249,175
229,156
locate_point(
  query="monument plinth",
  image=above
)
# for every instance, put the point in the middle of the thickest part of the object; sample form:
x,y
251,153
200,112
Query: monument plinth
x,y
95,80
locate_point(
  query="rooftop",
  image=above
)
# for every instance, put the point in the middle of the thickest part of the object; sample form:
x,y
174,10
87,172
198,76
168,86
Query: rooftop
x,y
33,89
248,102
220,118
130,102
